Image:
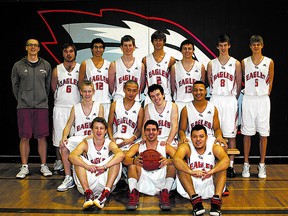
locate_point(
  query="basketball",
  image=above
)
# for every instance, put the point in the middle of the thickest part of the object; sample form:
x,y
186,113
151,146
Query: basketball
x,y
151,159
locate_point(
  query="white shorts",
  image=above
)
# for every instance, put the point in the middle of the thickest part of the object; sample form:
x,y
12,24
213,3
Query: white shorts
x,y
73,142
227,107
181,105
97,183
205,188
60,118
152,182
256,115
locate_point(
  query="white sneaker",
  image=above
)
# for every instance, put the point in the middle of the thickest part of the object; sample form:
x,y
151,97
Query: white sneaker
x,y
262,171
23,172
45,170
66,184
246,170
58,165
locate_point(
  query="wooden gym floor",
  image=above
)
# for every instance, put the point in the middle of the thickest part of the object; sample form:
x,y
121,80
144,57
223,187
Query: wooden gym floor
x,y
37,195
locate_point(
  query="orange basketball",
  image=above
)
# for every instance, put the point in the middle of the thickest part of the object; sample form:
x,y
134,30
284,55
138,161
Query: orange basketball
x,y
151,159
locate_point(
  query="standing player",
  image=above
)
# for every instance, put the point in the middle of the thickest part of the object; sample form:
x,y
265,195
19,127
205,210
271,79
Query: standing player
x,y
126,117
165,113
225,77
184,73
64,85
258,71
97,173
95,69
126,68
81,115
158,65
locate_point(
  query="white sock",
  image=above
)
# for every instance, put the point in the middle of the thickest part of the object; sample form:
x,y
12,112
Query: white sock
x,y
168,183
132,183
231,163
261,164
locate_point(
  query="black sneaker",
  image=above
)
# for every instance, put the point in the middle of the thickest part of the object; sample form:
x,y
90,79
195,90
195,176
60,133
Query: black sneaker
x,y
231,173
197,204
216,206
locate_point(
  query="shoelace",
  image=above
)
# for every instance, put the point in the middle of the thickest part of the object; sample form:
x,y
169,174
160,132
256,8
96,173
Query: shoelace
x,y
165,197
216,201
133,198
196,200
103,195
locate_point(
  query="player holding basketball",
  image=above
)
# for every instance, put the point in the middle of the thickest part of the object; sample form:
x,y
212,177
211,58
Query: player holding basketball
x,y
201,177
160,181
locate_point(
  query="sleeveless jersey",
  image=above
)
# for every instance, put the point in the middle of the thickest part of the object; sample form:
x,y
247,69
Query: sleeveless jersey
x,y
163,119
256,77
205,118
125,120
223,77
185,80
94,156
159,73
67,92
124,74
160,148
82,121
99,77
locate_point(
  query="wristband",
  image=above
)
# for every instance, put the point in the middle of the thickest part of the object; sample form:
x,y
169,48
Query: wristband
x,y
105,168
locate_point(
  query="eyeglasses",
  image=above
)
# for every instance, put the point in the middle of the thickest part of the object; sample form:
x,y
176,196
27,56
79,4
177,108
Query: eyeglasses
x,y
98,47
32,45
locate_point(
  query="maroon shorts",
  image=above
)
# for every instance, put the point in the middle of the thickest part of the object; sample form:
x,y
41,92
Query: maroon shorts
x,y
33,122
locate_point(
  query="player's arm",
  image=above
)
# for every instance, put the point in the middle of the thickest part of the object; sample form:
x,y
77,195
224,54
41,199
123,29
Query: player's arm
x,y
182,152
174,124
271,75
238,72
129,155
140,120
101,111
82,73
143,79
54,80
146,117
209,73
118,154
183,125
111,120
74,156
203,73
66,130
112,76
173,80
223,159
217,130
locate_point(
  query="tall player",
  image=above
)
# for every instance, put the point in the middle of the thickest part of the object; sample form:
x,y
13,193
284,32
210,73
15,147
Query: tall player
x,y
158,65
126,117
126,68
81,116
225,77
258,71
184,73
64,85
95,69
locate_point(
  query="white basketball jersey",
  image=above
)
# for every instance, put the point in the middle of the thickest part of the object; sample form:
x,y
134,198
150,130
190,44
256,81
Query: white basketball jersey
x,y
67,92
163,119
256,77
205,118
223,77
99,77
185,80
125,120
160,148
159,73
94,156
82,121
124,74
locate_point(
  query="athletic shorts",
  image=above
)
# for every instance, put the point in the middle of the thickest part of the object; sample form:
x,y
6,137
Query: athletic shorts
x,y
33,122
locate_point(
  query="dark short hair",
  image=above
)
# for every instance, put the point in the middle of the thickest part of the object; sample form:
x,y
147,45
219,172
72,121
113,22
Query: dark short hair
x,y
154,87
199,127
127,38
100,120
151,121
130,82
97,40
158,35
256,39
186,42
69,44
222,39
